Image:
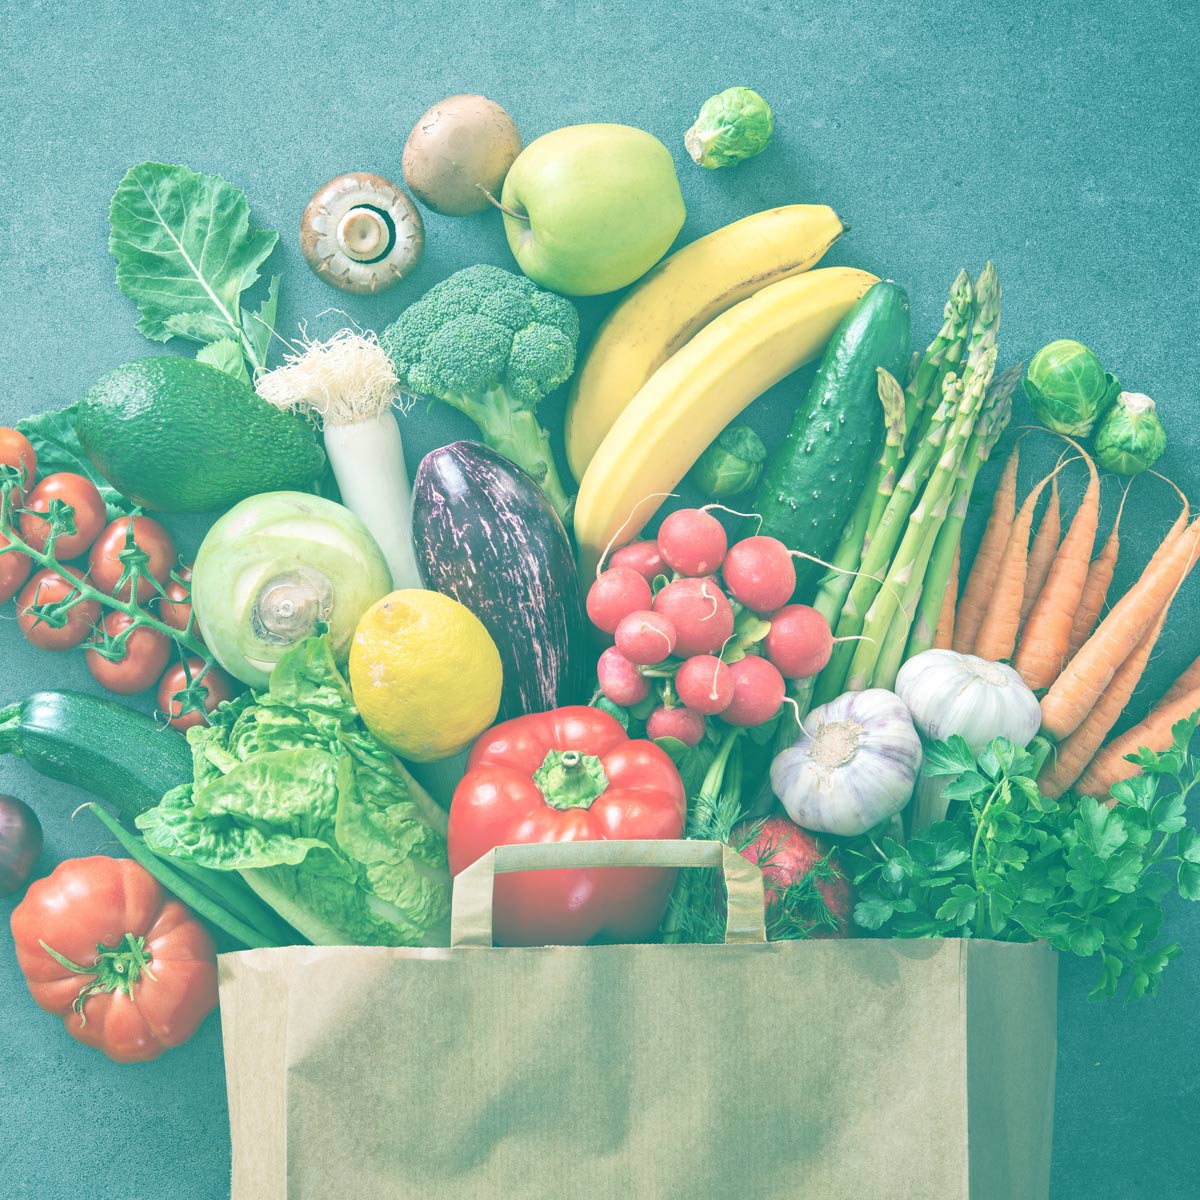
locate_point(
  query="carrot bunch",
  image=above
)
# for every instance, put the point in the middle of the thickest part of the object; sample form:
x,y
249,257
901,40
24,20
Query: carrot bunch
x,y
1040,605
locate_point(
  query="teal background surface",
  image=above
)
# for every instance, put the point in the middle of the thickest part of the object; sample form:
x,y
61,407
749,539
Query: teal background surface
x,y
1058,139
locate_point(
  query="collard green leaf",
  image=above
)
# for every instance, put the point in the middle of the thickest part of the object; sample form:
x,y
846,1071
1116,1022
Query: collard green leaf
x,y
186,252
226,355
259,325
52,435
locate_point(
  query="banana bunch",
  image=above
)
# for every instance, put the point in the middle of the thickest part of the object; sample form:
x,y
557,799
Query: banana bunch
x,y
705,333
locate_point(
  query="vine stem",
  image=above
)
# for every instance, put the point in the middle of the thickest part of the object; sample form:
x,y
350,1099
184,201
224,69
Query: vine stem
x,y
83,590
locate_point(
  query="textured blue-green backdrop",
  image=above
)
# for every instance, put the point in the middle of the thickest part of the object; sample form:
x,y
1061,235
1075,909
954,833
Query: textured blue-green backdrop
x,y
1059,139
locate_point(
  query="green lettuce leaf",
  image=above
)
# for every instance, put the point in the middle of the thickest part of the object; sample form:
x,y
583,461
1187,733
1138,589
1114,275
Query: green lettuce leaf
x,y
186,253
323,822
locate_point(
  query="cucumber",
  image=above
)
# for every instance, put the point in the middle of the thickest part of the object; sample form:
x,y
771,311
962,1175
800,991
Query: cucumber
x,y
124,757
811,484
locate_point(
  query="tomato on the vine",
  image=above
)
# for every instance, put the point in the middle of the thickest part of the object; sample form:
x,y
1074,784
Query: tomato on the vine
x,y
180,699
17,451
175,607
142,658
81,494
151,540
14,570
55,631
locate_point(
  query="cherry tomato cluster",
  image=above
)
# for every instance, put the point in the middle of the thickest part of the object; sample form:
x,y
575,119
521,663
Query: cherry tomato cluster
x,y
709,625
127,599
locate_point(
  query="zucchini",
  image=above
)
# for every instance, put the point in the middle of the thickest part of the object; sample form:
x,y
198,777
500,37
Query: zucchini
x,y
487,536
125,758
811,484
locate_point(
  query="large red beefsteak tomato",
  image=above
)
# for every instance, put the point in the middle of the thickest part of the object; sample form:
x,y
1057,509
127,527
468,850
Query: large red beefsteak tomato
x,y
128,968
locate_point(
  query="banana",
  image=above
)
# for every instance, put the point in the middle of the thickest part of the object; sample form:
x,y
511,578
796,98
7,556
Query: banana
x,y
680,296
684,405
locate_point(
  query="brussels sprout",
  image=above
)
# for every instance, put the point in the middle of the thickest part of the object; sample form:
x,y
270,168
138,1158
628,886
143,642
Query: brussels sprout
x,y
1130,436
731,465
1068,388
732,126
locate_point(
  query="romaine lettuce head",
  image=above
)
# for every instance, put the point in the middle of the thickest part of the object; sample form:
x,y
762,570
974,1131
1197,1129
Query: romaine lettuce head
x,y
322,821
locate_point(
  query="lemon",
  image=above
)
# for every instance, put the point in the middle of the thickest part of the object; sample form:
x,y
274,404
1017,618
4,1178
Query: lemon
x,y
425,674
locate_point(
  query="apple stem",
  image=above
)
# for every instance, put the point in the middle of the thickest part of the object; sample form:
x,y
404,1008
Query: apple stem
x,y
508,212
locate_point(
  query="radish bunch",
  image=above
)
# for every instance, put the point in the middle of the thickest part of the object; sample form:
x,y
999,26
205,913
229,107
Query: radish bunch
x,y
705,626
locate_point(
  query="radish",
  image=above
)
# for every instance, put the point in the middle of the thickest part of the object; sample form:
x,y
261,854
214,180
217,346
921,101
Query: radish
x,y
620,680
684,724
758,691
645,637
700,612
642,557
759,573
616,593
705,684
786,853
800,641
692,542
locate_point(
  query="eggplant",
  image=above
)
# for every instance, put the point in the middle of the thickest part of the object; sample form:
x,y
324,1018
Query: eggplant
x,y
487,536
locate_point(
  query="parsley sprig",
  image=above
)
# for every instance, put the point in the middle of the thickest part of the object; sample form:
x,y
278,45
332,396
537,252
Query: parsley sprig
x,y
1013,865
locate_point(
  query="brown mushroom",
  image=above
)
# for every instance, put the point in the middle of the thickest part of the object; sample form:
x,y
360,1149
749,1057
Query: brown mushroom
x,y
459,151
361,233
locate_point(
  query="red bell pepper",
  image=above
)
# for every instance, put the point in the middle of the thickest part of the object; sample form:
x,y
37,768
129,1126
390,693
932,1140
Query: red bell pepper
x,y
571,774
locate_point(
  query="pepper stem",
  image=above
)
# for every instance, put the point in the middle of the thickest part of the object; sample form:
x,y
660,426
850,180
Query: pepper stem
x,y
570,779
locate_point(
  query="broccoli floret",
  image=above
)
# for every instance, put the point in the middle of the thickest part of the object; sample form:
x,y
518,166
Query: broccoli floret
x,y
492,344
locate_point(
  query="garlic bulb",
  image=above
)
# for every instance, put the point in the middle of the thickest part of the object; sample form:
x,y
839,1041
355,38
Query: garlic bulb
x,y
854,767
950,693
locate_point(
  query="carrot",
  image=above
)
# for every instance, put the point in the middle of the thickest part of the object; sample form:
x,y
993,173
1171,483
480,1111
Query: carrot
x,y
1095,587
1109,766
982,580
1047,634
998,633
945,626
1189,681
1073,755
1074,693
1042,552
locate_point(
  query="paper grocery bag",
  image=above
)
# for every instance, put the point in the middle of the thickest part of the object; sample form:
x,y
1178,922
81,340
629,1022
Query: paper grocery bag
x,y
838,1069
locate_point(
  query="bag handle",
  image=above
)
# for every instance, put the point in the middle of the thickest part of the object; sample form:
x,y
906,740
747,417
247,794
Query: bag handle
x,y
471,919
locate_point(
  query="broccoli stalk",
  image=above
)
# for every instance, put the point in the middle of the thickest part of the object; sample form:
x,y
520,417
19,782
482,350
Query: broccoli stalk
x,y
491,344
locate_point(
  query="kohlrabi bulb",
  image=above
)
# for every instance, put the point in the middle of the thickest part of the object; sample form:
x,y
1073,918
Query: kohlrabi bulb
x,y
732,126
1130,437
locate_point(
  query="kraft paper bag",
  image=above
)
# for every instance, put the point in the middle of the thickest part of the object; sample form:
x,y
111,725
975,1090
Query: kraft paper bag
x,y
831,1069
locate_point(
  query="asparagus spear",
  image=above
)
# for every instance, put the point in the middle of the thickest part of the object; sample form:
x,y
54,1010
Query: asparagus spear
x,y
924,372
997,411
893,399
883,542
898,596
942,356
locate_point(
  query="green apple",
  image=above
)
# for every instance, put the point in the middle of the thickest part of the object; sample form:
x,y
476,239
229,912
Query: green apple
x,y
591,208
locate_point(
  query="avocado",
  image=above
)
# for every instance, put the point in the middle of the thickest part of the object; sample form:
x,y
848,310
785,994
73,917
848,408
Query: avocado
x,y
177,435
